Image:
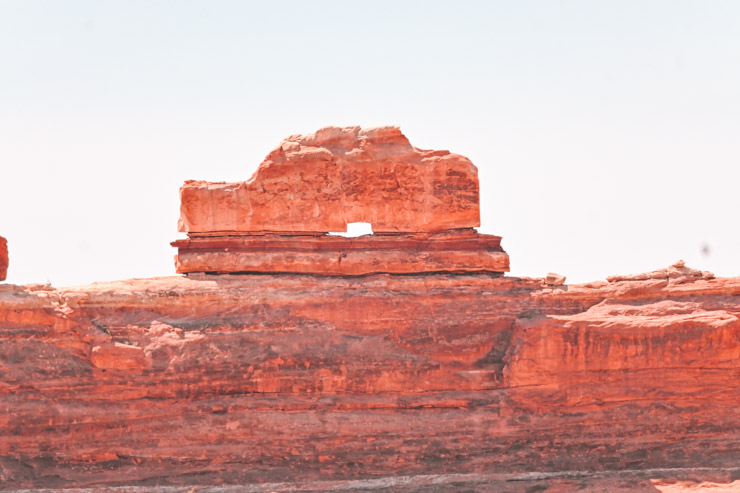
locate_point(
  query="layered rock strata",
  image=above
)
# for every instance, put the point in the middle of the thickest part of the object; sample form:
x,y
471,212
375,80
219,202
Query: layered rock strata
x,y
447,251
293,360
335,382
422,206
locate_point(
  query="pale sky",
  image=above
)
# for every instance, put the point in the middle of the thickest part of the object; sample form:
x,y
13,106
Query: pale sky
x,y
606,134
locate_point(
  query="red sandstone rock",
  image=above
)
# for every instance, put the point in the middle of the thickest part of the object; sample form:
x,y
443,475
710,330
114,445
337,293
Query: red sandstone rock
x,y
118,356
336,364
554,279
448,251
336,383
315,184
677,272
321,182
3,258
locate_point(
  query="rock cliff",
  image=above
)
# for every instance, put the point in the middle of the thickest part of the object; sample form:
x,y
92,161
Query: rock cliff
x,y
3,258
240,379
419,367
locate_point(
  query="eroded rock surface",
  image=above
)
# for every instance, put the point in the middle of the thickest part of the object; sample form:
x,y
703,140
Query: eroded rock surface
x,y
422,206
677,272
456,380
320,182
3,258
293,360
446,251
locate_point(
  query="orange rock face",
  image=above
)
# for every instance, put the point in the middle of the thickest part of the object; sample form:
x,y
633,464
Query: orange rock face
x,y
3,258
452,381
422,206
447,251
293,360
323,181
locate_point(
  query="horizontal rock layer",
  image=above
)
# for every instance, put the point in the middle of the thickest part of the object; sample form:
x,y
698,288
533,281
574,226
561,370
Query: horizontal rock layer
x,y
323,380
450,251
321,182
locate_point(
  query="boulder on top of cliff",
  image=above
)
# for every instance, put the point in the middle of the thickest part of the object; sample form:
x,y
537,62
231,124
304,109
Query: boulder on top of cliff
x,y
422,204
320,182
3,258
677,272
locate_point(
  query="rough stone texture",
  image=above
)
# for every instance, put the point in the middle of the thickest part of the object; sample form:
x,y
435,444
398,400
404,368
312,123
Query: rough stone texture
x,y
422,206
554,279
442,382
677,271
322,181
447,251
401,361
3,258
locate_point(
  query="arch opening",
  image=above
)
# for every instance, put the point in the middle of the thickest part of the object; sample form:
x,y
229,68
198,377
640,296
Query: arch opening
x,y
356,229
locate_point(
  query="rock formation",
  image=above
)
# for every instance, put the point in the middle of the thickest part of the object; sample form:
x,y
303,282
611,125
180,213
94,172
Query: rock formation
x,y
3,258
322,181
446,251
422,206
270,378
430,379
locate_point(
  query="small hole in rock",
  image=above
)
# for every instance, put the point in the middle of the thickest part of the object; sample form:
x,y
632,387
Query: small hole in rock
x,y
356,229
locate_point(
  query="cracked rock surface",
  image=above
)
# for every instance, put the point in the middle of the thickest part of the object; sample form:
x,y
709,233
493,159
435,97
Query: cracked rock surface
x,y
322,181
3,258
417,382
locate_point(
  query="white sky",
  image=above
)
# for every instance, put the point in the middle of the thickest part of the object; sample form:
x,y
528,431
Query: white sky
x,y
607,134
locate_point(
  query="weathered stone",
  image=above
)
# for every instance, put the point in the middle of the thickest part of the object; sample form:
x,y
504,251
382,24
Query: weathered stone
x,y
321,182
117,356
3,258
421,205
402,360
677,272
554,279
447,251
334,382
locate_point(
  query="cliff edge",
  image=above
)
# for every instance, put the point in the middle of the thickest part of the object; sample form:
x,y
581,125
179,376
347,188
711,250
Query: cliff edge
x,y
288,359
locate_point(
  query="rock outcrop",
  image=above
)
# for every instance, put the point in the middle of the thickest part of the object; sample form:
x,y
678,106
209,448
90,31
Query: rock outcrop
x,y
321,182
447,251
422,206
291,360
3,258
323,380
